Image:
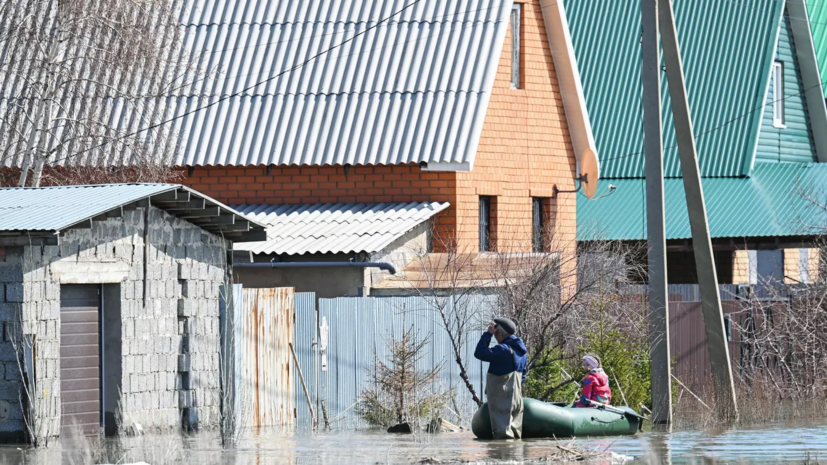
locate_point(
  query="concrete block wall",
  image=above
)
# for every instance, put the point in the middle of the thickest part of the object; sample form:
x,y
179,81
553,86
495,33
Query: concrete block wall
x,y
11,302
400,253
169,316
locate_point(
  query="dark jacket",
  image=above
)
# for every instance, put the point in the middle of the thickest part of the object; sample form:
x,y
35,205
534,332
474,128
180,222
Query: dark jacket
x,y
510,355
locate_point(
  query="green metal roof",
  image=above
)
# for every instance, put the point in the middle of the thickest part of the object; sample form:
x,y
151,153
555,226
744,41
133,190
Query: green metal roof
x,y
725,80
769,203
817,11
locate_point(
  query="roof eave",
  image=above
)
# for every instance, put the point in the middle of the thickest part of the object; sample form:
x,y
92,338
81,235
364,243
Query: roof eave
x,y
568,78
172,198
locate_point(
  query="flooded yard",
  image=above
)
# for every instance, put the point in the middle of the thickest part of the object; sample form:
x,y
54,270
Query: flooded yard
x,y
801,444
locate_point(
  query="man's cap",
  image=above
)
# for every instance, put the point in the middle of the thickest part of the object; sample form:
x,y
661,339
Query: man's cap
x,y
507,325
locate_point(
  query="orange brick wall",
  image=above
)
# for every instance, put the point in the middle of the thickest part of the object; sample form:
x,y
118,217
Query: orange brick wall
x,y
322,184
525,149
329,184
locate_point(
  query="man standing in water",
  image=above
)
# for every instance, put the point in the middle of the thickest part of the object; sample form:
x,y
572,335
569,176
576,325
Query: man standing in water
x,y
506,374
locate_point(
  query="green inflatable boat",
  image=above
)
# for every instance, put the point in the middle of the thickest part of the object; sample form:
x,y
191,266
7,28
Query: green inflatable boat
x,y
545,420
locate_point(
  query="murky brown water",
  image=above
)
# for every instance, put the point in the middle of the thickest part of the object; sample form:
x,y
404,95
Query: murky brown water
x,y
767,445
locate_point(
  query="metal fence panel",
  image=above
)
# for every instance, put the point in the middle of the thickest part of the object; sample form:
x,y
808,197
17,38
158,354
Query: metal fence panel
x,y
361,329
264,327
304,338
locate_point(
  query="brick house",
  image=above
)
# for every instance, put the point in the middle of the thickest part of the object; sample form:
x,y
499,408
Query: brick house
x,y
474,105
500,136
760,128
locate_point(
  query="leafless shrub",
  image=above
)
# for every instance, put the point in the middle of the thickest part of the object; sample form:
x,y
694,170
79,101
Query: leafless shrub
x,y
39,409
546,293
781,365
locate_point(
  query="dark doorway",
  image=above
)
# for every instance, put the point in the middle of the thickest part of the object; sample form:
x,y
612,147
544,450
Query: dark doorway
x,y
80,358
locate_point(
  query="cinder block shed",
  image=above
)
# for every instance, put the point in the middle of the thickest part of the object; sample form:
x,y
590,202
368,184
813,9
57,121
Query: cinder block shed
x,y
109,305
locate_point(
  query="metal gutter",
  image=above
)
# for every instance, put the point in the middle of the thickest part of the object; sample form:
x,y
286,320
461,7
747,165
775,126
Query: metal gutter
x,y
381,265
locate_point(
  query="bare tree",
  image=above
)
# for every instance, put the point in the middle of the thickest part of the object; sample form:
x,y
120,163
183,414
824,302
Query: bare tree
x,y
80,78
783,335
544,292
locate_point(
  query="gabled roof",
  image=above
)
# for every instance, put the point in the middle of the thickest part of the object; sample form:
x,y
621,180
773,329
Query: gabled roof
x,y
779,200
355,82
335,228
727,49
44,211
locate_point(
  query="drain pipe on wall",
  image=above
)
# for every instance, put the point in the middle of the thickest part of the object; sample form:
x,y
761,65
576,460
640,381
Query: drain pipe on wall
x,y
381,265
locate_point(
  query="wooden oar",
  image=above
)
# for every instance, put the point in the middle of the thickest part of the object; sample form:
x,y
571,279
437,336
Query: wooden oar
x,y
609,408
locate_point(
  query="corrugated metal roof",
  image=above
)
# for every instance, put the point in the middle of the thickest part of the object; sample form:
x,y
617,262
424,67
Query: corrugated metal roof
x,y
335,228
724,78
817,12
412,89
770,203
57,208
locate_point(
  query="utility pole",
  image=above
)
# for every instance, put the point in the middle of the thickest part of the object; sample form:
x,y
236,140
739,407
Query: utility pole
x,y
701,241
655,220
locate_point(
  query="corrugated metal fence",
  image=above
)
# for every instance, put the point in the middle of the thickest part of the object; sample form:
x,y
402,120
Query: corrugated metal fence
x,y
266,382
266,385
360,329
263,368
304,343
683,292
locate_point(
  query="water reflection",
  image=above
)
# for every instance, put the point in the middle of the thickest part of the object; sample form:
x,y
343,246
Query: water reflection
x,y
768,445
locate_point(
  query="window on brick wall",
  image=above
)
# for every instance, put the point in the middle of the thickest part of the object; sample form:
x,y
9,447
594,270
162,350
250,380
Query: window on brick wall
x,y
485,223
539,222
516,51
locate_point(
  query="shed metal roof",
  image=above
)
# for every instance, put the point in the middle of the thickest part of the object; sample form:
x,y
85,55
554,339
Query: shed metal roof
x,y
50,209
726,80
335,228
411,89
771,203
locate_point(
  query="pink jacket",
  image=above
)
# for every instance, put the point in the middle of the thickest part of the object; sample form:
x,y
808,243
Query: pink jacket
x,y
596,388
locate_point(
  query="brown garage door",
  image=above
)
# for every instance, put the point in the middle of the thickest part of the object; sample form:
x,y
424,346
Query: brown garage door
x,y
80,358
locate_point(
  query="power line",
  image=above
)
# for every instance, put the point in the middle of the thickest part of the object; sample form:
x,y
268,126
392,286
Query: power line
x,y
225,98
796,18
725,123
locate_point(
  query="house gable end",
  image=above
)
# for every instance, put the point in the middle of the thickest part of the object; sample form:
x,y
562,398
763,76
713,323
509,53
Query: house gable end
x,y
792,141
725,83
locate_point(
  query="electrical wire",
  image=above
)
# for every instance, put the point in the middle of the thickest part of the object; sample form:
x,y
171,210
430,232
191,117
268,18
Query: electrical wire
x,y
724,124
377,24
242,91
246,89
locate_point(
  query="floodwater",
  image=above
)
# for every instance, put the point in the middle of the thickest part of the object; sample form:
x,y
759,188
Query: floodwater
x,y
801,444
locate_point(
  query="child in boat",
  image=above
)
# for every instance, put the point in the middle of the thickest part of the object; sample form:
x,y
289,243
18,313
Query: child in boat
x,y
595,384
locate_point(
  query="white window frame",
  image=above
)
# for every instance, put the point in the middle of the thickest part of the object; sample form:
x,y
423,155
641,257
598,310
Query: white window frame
x,y
516,50
778,119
